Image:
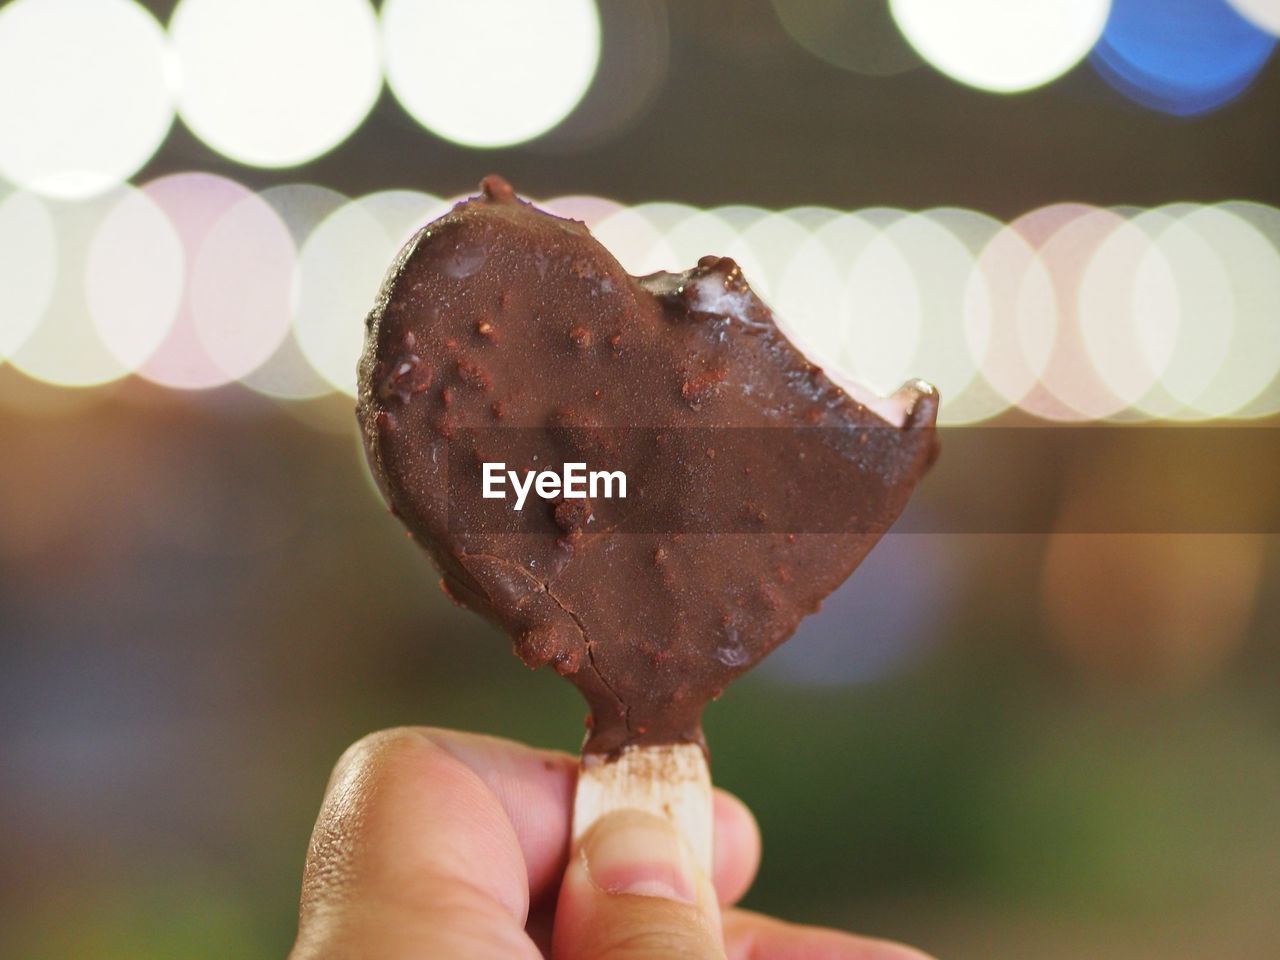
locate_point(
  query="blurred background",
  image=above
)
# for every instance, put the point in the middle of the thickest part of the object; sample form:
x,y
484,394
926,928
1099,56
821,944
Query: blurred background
x,y
1052,741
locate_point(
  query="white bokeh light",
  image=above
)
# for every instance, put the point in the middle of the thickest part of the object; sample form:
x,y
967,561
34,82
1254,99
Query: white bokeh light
x,y
1252,264
241,287
28,267
586,209
1070,388
1128,311
134,278
193,203
971,308
65,349
490,73
765,246
278,83
287,374
883,325
943,267
816,276
1266,220
637,237
1002,45
341,268
1264,13
1206,311
1009,303
807,299
86,94
702,234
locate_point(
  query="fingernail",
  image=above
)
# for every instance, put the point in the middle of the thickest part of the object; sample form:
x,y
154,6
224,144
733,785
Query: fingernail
x,y
629,852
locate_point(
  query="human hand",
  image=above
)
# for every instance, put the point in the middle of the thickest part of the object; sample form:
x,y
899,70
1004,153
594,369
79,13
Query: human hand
x,y
435,845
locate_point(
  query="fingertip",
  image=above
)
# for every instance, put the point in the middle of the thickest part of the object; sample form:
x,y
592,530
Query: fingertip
x,y
634,889
735,848
401,809
361,754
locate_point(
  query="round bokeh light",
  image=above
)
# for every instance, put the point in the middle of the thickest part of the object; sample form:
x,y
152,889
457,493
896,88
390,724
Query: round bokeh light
x,y
854,35
341,268
86,94
276,84
1001,45
65,348
134,278
194,203
1206,310
1252,357
1264,13
241,323
1182,57
885,319
490,73
28,269
638,237
287,374
1128,311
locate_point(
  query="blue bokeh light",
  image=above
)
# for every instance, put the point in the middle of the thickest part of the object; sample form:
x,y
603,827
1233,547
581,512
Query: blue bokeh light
x,y
1181,57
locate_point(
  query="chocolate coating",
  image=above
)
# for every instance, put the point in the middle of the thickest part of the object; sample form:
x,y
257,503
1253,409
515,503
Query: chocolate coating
x,y
499,314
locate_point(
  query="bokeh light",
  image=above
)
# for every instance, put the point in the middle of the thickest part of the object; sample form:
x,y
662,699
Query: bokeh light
x,y
1128,312
1001,45
241,324
1070,312
1010,311
276,84
585,209
635,54
1264,13
86,94
342,266
969,312
1266,220
28,267
490,73
764,245
194,204
135,276
855,35
883,327
1183,57
1070,387
1205,309
1252,357
287,374
65,349
942,266
702,233
814,284
637,237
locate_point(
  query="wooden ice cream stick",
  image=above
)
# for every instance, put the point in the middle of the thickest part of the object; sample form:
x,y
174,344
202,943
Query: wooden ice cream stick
x,y
671,781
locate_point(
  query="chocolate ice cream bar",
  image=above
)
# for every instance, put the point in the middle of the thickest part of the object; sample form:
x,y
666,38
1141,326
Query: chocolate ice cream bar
x,y
500,316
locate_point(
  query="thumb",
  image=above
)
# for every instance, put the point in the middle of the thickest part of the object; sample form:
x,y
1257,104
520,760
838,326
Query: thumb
x,y
633,891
